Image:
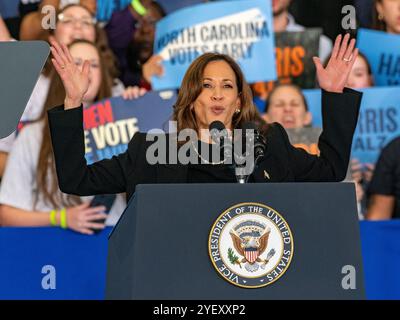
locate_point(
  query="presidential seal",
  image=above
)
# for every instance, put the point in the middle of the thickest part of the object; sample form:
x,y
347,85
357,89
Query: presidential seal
x,y
250,245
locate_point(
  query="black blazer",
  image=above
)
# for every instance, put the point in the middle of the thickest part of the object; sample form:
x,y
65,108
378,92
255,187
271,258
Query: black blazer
x,y
282,162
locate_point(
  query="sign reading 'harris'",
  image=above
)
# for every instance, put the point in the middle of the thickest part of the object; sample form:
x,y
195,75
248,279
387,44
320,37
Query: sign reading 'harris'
x,y
241,29
378,122
382,52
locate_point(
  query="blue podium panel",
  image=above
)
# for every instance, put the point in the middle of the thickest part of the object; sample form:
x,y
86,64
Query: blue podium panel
x,y
380,242
79,264
160,249
20,63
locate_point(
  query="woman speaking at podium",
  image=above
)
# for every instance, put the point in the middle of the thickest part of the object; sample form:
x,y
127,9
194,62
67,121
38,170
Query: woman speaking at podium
x,y
213,89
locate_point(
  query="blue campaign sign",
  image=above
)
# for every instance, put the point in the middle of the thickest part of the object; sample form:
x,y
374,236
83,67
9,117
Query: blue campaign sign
x,y
173,5
313,98
382,52
378,123
241,29
9,8
110,124
105,8
52,264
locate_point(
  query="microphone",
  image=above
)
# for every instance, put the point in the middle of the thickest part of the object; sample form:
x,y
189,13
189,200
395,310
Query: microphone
x,y
254,150
220,136
217,131
260,144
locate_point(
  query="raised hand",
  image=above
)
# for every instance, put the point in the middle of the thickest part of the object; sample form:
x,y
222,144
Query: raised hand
x,y
76,81
334,77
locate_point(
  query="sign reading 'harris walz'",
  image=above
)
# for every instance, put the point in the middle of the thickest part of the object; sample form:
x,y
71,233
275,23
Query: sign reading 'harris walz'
x,y
382,51
251,245
241,29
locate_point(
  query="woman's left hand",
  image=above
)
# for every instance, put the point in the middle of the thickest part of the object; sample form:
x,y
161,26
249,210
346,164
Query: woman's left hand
x,y
334,77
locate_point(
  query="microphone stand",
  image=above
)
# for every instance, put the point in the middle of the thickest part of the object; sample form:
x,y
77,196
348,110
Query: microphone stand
x,y
258,149
241,176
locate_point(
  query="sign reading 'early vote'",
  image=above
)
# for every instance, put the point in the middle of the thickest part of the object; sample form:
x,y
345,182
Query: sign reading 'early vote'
x,y
241,29
110,124
378,122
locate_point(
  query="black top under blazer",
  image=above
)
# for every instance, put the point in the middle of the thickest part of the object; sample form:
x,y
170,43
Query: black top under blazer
x,y
282,162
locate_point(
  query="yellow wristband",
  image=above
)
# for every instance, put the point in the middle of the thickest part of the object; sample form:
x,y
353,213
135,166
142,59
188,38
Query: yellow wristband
x,y
63,218
139,8
53,221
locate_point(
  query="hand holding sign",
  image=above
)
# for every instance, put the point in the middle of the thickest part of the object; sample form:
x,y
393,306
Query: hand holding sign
x,y
75,81
131,93
153,67
334,77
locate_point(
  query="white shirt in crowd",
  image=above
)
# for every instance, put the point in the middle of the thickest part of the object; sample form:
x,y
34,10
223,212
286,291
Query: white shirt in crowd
x,y
18,186
35,106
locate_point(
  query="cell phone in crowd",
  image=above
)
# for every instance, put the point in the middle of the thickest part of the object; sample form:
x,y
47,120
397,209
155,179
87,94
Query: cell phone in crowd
x,y
106,200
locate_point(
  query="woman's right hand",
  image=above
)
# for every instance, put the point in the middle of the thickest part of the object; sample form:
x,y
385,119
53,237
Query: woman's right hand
x,y
76,81
81,218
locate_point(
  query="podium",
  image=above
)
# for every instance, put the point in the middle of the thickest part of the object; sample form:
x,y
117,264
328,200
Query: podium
x,y
160,248
20,65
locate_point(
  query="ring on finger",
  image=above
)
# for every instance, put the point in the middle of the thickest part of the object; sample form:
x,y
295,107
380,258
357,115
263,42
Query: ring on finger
x,y
348,59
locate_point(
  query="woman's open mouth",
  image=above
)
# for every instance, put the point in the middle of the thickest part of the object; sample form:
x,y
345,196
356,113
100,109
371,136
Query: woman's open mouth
x,y
217,110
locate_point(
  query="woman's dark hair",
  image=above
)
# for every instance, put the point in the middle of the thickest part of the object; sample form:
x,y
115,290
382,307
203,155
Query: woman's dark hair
x,y
378,23
159,8
133,51
294,86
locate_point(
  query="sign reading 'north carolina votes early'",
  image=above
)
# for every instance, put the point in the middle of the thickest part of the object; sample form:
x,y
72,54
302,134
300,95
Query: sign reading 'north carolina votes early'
x,y
378,123
110,124
383,53
250,245
241,29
